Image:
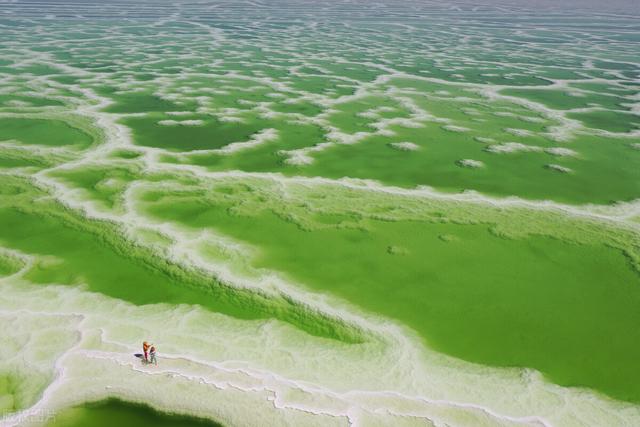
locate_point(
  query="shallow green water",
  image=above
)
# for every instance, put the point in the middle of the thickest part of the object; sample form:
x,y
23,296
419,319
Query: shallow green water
x,y
199,154
467,292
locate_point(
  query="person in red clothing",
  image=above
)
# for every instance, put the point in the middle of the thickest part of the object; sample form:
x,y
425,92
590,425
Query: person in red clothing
x,y
145,350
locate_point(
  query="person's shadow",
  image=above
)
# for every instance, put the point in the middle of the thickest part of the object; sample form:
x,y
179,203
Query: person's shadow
x,y
141,357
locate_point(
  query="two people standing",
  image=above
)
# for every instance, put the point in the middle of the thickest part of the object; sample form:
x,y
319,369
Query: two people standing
x,y
149,351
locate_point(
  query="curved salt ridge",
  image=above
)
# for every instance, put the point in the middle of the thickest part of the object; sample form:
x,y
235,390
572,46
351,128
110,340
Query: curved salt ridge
x,y
214,366
620,212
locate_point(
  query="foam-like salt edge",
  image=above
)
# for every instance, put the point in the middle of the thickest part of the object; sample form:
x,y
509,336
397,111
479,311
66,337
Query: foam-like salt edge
x,y
181,122
515,147
404,146
470,163
214,366
558,168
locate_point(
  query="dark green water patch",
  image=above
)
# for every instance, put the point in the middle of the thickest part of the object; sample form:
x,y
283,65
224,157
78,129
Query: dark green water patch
x,y
124,154
9,265
612,121
16,162
561,100
31,101
139,103
115,412
42,132
211,134
305,108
